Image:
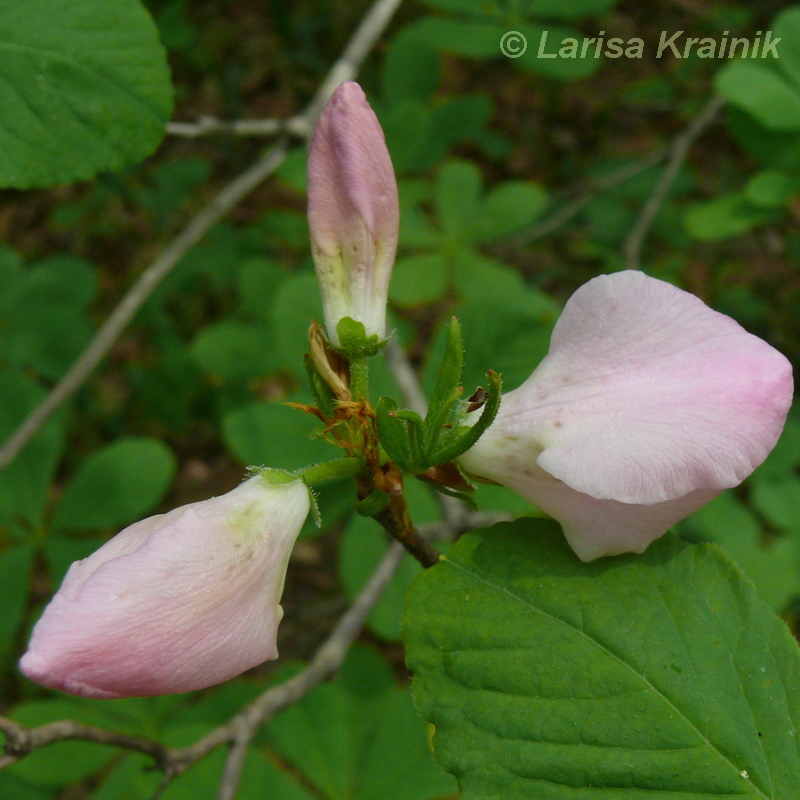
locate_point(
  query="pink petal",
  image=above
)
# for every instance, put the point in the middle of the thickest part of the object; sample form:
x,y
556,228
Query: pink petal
x,y
353,211
175,602
647,396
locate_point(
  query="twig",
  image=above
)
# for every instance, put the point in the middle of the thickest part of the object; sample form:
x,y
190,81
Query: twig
x,y
345,68
405,376
206,126
583,197
242,727
326,661
678,153
119,318
21,740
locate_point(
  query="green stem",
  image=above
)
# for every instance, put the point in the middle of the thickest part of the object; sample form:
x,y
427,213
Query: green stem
x,y
359,378
330,470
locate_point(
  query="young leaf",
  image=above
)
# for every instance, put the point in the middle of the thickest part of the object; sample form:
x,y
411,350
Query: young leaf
x,y
642,677
467,437
446,392
401,435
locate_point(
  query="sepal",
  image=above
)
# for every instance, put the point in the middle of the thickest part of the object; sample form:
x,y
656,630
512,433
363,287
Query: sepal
x,y
353,340
465,437
402,435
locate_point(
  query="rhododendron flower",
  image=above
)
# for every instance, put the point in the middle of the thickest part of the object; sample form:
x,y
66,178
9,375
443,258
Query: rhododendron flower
x,y
176,602
353,212
647,405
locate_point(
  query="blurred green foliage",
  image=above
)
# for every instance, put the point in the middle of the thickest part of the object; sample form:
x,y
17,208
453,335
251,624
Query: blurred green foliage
x,y
492,154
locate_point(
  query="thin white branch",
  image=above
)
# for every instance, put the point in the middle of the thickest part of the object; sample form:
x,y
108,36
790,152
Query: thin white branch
x,y
345,68
582,196
242,727
119,318
406,378
678,153
325,663
207,126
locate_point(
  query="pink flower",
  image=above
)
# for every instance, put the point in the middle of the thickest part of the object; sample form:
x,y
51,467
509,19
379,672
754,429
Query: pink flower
x,y
353,212
173,603
646,407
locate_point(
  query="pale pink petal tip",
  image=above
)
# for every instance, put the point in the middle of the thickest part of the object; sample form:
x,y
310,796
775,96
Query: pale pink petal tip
x,y
648,404
173,603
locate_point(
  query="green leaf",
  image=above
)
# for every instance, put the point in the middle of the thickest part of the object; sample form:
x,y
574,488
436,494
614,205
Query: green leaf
x,y
761,92
459,119
724,217
258,281
476,7
43,322
771,189
464,439
84,87
274,435
509,208
294,305
359,738
61,550
779,502
410,68
457,197
15,573
401,434
234,351
785,457
772,566
418,279
24,483
474,39
549,40
778,149
576,9
506,324
786,27
363,545
643,677
447,389
407,125
116,485
260,778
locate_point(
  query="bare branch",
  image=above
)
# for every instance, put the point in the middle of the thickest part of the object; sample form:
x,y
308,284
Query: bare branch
x,y
677,155
357,49
583,196
206,126
241,728
326,661
21,740
405,376
119,318
345,68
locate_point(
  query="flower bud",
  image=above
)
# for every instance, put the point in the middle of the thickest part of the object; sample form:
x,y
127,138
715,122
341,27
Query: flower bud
x,y
173,603
353,212
647,405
